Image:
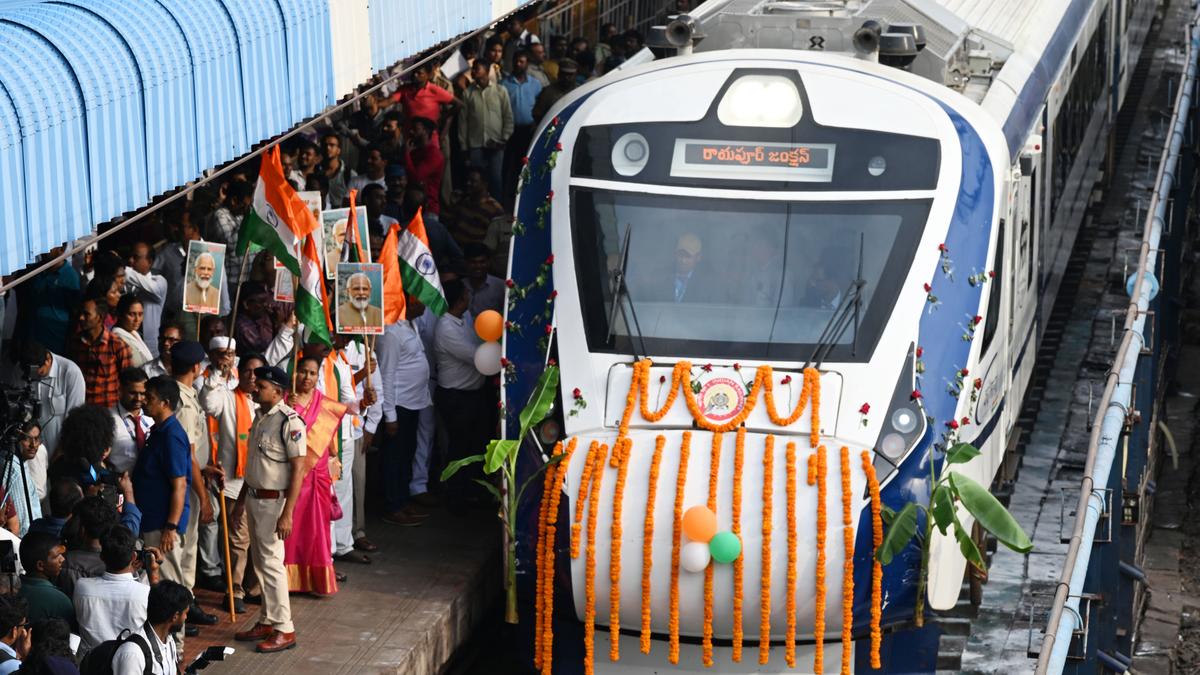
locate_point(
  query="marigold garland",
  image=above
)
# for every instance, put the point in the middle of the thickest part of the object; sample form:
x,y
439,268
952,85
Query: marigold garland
x,y
789,644
560,474
738,458
648,540
589,603
811,390
621,450
678,374
814,433
847,566
714,468
543,510
812,469
620,445
585,482
819,594
764,626
676,534
876,567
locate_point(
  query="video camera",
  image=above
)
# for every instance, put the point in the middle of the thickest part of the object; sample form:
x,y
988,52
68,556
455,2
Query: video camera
x,y
19,406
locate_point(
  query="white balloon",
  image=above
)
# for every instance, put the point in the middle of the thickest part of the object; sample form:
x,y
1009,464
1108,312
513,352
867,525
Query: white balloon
x,y
694,557
487,358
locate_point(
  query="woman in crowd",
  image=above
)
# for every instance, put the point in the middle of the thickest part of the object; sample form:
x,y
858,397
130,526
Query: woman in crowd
x,y
50,652
129,323
308,552
105,288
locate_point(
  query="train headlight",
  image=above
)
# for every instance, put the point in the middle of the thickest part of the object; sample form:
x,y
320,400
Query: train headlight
x,y
905,426
893,445
630,154
761,101
904,420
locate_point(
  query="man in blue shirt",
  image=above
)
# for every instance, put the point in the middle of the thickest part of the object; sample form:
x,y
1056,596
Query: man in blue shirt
x,y
523,90
162,477
14,632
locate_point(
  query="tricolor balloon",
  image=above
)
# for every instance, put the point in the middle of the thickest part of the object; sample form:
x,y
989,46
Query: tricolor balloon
x,y
489,325
707,544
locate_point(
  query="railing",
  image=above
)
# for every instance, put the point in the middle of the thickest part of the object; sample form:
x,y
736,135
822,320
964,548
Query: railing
x,y
583,18
1115,418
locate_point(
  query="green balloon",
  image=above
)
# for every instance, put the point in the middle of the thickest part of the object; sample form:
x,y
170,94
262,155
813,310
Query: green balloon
x,y
725,547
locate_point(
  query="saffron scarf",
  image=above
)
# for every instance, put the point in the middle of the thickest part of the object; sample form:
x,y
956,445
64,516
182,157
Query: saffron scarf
x,y
322,419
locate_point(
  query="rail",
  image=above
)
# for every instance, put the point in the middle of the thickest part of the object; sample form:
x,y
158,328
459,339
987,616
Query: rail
x,y
1116,403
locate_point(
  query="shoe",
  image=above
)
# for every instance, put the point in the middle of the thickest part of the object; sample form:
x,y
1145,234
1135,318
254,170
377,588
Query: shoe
x,y
364,544
253,599
191,631
276,643
353,557
260,631
200,617
212,583
426,499
341,578
403,518
239,605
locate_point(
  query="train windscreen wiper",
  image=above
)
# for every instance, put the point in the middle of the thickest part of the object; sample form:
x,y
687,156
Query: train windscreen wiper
x,y
847,314
620,296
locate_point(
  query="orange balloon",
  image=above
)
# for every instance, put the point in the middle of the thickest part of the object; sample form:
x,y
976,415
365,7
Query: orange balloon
x,y
489,325
699,524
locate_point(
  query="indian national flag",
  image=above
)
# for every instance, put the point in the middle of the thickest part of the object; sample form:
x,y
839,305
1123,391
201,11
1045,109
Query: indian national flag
x,y
311,299
278,218
417,269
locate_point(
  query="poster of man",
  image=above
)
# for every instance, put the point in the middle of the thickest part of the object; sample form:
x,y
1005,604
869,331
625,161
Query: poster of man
x,y
283,286
205,274
334,223
360,298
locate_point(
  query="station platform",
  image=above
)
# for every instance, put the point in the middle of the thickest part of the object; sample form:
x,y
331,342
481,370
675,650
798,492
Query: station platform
x,y
425,591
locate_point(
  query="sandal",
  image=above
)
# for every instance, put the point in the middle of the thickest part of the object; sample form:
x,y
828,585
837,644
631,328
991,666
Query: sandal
x,y
341,578
364,544
353,557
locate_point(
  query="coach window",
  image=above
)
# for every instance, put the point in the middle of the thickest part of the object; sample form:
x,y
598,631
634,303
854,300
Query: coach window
x,y
993,310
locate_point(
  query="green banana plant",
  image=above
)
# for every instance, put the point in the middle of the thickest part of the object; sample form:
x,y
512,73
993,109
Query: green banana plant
x,y
501,456
948,490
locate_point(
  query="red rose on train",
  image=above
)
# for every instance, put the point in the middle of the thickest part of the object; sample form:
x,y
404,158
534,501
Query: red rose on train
x,y
915,395
525,161
787,379
928,288
920,351
953,424
979,383
977,319
510,283
706,368
504,363
549,329
942,248
553,294
964,372
991,274
577,393
662,379
866,408
737,366
550,259
550,195
558,147
965,421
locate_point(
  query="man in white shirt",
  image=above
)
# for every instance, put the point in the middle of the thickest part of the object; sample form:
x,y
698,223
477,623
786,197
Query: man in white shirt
x,y
348,360
461,400
150,288
418,487
25,470
59,386
115,601
14,632
131,424
405,374
166,609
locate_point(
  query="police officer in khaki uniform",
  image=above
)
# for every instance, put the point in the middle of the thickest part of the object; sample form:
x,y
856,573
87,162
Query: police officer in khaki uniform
x,y
274,472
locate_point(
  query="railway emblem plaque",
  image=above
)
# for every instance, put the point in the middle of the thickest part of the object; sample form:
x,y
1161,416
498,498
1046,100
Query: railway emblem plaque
x,y
722,399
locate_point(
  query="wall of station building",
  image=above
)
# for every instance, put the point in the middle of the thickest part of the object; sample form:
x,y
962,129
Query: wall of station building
x,y
105,104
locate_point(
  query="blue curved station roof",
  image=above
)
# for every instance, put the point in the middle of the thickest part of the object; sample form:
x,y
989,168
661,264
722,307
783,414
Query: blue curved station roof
x,y
105,104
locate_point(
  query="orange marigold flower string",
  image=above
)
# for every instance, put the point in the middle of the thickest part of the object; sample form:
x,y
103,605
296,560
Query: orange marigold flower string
x,y
560,473
714,468
681,371
738,459
621,450
543,510
764,626
676,534
789,644
819,599
648,540
812,380
585,482
876,568
847,566
589,603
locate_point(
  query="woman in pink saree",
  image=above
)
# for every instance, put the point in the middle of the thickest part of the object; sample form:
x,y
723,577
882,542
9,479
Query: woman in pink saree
x,y
307,552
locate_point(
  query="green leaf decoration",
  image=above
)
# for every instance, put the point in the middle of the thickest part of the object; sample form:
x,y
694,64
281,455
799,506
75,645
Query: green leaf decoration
x,y
967,545
990,513
497,453
887,514
540,401
942,508
901,531
490,488
457,464
961,453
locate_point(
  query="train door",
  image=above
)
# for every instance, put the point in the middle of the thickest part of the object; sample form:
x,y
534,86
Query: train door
x,y
1023,283
993,358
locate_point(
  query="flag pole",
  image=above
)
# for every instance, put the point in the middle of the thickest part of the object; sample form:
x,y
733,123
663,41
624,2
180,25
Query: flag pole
x,y
296,334
228,558
237,296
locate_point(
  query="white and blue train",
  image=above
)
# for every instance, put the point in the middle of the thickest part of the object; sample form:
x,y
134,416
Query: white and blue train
x,y
886,189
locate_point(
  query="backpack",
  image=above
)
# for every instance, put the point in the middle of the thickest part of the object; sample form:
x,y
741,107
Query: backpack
x,y
99,661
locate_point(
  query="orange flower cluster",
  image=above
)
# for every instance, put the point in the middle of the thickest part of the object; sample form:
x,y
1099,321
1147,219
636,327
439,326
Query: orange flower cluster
x,y
546,577
676,534
812,380
819,599
648,540
738,458
714,468
679,376
589,603
847,566
764,626
543,510
812,469
810,391
585,482
621,451
789,645
876,568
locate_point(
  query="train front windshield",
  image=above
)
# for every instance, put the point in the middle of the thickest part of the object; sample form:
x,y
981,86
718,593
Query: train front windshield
x,y
750,279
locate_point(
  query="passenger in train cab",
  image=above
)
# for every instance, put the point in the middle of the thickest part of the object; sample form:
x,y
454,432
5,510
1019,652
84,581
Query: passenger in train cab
x,y
831,274
685,281
761,277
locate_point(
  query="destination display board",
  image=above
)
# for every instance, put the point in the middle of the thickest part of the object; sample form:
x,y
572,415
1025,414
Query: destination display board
x,y
804,162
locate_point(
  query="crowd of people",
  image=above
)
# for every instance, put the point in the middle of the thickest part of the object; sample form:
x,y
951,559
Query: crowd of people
x,y
161,433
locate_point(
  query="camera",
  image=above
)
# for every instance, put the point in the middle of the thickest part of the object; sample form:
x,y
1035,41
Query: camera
x,y
144,556
19,405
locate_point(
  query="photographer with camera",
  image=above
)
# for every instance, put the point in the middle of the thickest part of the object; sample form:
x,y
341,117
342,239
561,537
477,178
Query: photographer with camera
x,y
58,386
87,439
116,600
42,558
